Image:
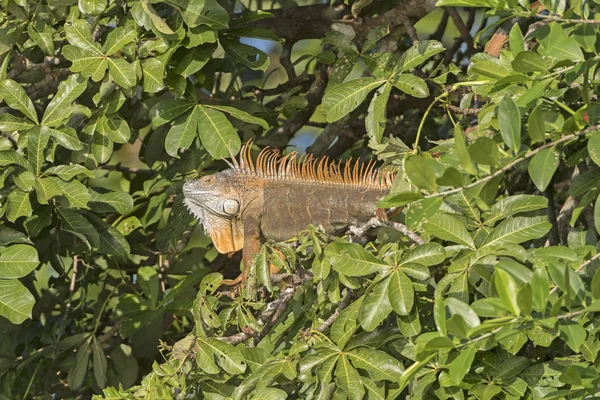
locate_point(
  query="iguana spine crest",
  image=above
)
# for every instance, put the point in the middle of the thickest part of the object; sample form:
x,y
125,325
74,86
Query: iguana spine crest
x,y
307,168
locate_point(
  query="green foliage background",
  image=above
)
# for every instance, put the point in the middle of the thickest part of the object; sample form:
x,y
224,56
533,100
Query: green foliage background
x,y
108,288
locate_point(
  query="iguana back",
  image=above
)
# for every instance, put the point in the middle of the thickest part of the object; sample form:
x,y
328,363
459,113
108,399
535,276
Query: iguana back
x,y
276,197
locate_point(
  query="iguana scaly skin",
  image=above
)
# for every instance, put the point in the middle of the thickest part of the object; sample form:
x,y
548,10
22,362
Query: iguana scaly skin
x,y
277,197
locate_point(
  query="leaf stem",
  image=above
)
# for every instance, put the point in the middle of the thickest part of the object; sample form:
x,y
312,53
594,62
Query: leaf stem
x,y
438,98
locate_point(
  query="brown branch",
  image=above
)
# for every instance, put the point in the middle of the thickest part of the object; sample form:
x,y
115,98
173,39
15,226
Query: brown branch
x,y
303,81
47,85
343,304
272,313
127,170
374,222
463,111
297,23
327,136
462,28
439,32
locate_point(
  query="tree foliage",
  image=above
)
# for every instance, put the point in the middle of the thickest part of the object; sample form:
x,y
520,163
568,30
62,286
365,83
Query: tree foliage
x,y
484,284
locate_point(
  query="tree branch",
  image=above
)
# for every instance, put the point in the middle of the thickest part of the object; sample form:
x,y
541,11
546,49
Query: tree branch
x,y
515,162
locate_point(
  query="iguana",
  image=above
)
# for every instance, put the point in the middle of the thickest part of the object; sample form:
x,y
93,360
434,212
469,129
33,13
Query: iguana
x,y
278,196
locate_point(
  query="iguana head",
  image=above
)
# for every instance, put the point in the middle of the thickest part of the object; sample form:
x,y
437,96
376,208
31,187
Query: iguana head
x,y
216,203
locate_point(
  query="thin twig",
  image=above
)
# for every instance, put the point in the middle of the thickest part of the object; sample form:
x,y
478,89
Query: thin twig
x,y
127,170
374,222
515,162
72,284
343,304
463,111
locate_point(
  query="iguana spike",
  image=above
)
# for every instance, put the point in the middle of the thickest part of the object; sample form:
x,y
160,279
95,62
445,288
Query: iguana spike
x,y
270,164
233,159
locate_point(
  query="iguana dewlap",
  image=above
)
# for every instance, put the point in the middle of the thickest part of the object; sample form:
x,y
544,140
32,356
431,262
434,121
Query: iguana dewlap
x,y
277,197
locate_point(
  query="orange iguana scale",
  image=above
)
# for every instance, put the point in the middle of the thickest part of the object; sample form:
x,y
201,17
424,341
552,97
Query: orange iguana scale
x,y
278,196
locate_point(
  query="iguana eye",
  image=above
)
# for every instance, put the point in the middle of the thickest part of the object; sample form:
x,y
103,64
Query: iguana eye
x,y
230,206
207,180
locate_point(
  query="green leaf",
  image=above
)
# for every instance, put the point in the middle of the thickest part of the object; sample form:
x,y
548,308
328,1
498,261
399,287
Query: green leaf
x,y
399,199
37,141
515,39
460,141
228,357
517,230
529,61
149,283
41,33
119,202
376,306
461,364
206,12
190,61
182,133
419,53
111,240
557,44
583,183
99,364
116,128
16,303
9,236
412,85
24,180
421,172
68,90
66,137
92,7
76,193
542,167
118,38
535,125
46,189
351,259
217,134
509,120
75,223
241,115
154,71
167,110
68,172
506,287
89,64
422,209
121,72
79,370
593,147
250,56
15,96
484,151
78,34
17,260
427,254
401,293
348,379
375,120
380,365
343,98
449,228
573,334
514,205
10,123
18,205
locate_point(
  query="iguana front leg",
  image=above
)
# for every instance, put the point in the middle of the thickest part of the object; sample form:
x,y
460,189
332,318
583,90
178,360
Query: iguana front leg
x,y
251,247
